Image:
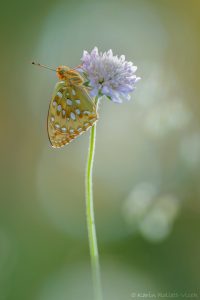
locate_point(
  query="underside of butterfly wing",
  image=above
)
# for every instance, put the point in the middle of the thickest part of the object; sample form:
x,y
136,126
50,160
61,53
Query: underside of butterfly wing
x,y
71,112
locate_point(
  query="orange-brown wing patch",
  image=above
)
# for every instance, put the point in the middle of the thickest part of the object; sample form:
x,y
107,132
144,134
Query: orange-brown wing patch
x,y
71,112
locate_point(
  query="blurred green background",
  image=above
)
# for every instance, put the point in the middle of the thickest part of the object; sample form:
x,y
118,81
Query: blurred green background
x,y
147,163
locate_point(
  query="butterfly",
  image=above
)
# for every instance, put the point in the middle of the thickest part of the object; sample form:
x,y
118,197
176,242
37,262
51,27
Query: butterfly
x,y
71,111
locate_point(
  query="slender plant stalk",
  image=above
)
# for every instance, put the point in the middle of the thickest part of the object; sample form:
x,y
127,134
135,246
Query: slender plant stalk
x,y
94,255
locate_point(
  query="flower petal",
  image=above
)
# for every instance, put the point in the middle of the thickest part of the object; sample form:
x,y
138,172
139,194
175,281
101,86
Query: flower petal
x,y
109,75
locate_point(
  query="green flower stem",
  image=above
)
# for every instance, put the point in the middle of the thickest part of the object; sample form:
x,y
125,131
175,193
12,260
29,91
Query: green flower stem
x,y
94,255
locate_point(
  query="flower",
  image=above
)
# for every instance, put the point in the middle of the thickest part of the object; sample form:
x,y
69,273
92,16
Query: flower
x,y
108,75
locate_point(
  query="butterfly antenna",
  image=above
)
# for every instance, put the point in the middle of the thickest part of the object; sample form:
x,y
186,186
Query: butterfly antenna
x,y
43,66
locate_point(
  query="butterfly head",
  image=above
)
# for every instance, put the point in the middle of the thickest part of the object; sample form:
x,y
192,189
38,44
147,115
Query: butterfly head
x,y
62,72
71,76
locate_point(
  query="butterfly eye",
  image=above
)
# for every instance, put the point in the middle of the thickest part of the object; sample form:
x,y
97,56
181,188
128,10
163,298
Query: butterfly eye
x,y
62,72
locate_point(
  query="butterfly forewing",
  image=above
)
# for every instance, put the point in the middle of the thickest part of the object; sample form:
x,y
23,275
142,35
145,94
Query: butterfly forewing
x,y
71,112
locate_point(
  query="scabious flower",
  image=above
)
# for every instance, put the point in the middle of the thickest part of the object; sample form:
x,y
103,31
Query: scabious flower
x,y
108,75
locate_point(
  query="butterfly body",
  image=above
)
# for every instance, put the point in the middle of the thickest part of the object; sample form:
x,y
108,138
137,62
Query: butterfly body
x,y
72,111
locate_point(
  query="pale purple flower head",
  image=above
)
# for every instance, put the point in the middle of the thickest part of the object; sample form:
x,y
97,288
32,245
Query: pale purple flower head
x,y
109,75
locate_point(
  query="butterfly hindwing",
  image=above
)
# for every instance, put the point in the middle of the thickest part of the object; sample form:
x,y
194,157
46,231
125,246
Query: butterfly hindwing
x,y
71,112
